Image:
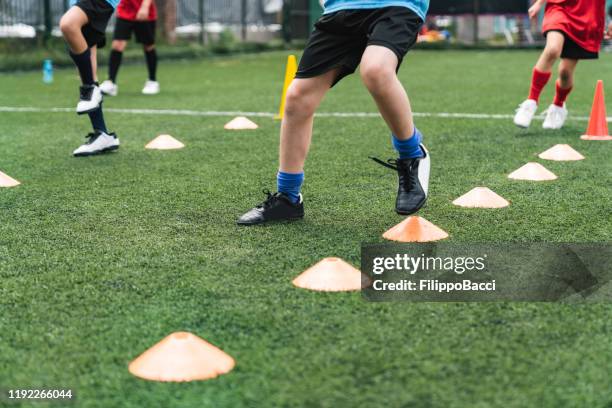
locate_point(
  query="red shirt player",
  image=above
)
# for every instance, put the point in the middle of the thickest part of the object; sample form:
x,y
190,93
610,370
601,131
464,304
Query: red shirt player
x,y
137,17
574,30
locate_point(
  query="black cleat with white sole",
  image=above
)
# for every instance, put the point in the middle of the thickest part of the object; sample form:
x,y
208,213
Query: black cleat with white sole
x,y
413,183
97,142
276,207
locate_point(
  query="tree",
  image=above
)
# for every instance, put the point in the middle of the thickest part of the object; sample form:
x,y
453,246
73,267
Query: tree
x,y
167,11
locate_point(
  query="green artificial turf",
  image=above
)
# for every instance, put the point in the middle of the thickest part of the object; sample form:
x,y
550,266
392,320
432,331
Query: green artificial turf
x,y
102,257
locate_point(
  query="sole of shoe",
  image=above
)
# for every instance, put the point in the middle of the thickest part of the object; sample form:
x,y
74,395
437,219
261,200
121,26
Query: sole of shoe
x,y
106,150
89,110
247,224
404,212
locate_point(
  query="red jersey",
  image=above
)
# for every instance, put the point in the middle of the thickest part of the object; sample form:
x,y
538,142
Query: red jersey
x,y
581,20
127,10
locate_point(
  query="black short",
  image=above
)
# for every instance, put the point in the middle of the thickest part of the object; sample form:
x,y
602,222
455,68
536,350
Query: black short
x,y
143,30
571,50
339,39
99,13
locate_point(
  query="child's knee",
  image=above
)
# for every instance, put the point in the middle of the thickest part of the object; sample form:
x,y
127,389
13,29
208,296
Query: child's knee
x,y
67,26
298,101
376,74
148,47
553,51
118,45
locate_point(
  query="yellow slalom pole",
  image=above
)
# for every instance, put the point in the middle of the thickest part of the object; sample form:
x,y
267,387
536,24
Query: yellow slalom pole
x,y
290,72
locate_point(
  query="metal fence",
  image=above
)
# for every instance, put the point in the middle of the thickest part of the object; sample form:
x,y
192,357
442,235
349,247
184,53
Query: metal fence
x,y
28,18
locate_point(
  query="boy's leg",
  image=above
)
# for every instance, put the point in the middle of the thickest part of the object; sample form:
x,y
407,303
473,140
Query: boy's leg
x,y
151,59
540,76
116,55
94,62
565,83
145,34
303,97
71,25
378,71
557,112
543,68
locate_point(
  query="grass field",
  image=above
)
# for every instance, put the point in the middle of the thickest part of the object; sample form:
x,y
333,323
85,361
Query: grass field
x,y
102,257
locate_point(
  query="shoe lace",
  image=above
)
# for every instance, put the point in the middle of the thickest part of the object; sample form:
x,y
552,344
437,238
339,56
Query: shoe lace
x,y
270,198
91,137
404,171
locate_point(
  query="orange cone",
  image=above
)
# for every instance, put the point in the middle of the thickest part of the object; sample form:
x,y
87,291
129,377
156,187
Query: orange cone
x,y
179,357
7,181
240,123
481,197
598,123
164,142
332,275
415,229
561,152
532,172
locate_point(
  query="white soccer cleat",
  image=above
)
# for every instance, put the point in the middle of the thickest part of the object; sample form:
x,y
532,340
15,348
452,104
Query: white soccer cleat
x,y
97,142
151,88
525,113
90,99
555,117
109,88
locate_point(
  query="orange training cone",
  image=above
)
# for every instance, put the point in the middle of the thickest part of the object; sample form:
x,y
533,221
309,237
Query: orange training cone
x,y
561,152
7,181
181,356
533,172
240,123
415,229
481,197
598,123
332,275
164,142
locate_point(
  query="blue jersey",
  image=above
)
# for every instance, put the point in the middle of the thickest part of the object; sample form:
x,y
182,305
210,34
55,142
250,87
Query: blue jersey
x,y
418,6
113,3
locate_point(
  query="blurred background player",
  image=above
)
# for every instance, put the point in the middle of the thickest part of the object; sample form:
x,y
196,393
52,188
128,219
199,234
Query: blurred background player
x,y
375,35
138,17
83,27
574,30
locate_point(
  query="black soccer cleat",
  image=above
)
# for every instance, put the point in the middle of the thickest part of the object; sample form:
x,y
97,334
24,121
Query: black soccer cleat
x,y
413,182
276,207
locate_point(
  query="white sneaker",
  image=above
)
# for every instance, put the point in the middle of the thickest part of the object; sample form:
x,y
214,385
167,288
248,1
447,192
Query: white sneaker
x,y
525,113
90,99
97,142
109,88
151,88
555,117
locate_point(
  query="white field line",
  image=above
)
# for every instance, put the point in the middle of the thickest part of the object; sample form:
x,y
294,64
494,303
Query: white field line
x,y
187,112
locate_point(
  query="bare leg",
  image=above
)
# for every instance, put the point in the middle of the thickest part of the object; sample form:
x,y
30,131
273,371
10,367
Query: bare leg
x,y
552,51
303,98
378,66
94,62
119,45
567,67
70,25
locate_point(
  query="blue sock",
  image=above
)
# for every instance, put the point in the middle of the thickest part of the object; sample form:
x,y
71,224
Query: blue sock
x,y
409,148
290,184
97,120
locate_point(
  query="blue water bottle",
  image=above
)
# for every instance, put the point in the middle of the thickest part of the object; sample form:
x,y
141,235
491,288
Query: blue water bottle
x,y
48,71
